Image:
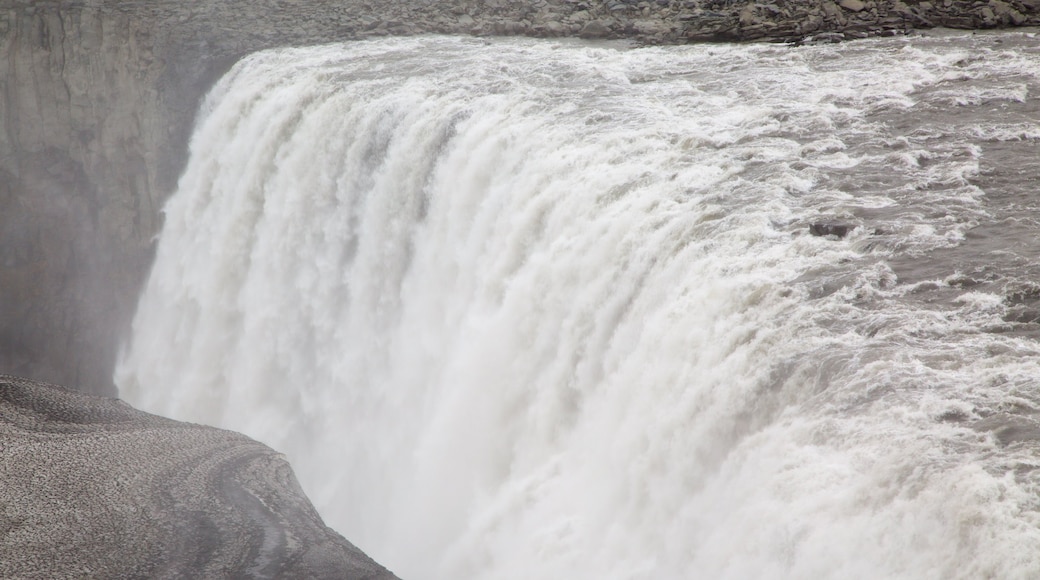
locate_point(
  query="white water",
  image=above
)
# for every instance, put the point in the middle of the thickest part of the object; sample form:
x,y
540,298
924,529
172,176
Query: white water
x,y
519,309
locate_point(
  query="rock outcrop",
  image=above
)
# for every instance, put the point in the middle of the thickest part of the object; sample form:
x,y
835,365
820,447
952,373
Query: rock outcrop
x,y
92,488
97,99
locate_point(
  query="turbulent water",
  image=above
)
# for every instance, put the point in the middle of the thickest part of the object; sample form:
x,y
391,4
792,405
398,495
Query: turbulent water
x,y
522,309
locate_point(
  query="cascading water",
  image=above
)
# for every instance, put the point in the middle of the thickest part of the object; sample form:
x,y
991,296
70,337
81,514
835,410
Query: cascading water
x,y
522,309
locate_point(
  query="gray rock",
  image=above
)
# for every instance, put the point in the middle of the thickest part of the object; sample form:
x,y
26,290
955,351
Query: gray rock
x,y
833,12
595,29
93,488
825,37
852,5
747,16
554,28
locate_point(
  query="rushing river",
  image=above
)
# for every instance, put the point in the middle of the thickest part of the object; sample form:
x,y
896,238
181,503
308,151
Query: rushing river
x,y
522,309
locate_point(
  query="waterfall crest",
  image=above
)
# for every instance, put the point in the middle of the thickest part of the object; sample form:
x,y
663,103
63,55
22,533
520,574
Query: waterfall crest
x,y
518,309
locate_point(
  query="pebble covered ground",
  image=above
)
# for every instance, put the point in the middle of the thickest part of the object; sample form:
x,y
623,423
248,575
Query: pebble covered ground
x,y
93,488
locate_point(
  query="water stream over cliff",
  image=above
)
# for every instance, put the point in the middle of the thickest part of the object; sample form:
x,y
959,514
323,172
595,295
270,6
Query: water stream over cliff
x,y
522,309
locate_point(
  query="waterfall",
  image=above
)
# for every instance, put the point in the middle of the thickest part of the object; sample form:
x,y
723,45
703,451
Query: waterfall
x,y
522,309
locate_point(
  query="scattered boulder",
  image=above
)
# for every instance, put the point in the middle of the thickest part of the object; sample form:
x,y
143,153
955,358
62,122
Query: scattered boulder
x,y
852,5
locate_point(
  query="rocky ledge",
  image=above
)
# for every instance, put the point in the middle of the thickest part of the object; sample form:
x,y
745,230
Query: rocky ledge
x,y
92,488
647,21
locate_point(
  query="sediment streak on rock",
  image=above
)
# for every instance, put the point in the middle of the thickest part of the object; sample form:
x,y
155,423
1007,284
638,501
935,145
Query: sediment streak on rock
x,y
93,488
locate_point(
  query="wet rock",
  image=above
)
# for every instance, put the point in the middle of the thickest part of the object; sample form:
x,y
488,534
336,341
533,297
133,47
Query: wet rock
x,y
836,229
823,38
1009,429
595,29
93,488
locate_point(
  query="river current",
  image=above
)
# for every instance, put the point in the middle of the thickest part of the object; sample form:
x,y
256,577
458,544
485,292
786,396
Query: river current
x,y
545,309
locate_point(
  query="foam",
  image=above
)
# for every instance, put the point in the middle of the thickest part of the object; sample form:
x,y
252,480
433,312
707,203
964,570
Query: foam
x,y
521,309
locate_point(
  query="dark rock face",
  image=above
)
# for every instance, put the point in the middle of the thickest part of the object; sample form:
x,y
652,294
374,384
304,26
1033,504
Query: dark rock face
x,y
838,230
92,488
97,99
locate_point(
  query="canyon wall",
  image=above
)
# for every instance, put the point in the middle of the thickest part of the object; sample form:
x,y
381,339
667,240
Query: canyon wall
x,y
97,100
79,139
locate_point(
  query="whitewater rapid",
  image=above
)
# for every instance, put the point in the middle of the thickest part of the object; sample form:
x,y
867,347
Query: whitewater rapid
x,y
527,309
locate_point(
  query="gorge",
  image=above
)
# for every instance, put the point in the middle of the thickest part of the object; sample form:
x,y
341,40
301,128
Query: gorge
x,y
539,307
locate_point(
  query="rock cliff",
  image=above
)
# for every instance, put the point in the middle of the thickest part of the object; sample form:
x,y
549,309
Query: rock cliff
x,y
97,99
92,488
